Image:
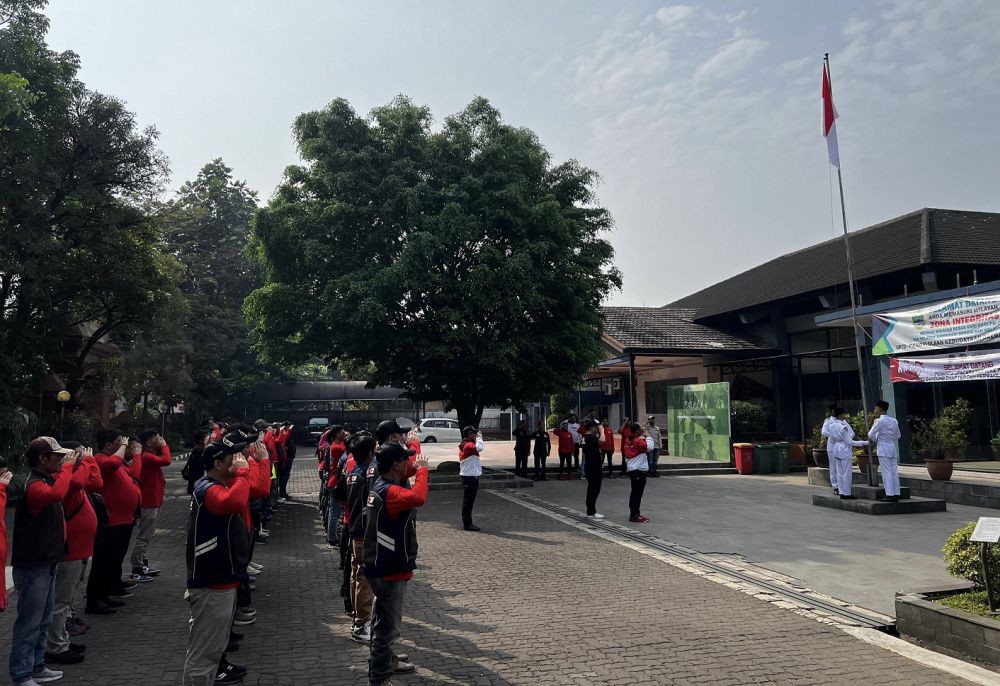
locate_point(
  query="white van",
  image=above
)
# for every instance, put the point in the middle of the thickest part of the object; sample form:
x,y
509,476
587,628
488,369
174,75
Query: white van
x,y
439,430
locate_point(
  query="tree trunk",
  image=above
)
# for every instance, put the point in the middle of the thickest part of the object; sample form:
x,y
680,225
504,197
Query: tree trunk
x,y
466,413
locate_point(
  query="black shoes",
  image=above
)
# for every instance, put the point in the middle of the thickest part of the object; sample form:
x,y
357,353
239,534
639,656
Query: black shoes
x,y
848,497
77,648
100,608
67,657
472,527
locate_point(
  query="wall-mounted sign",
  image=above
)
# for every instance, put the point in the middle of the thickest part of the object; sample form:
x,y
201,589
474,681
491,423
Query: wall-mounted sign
x,y
950,324
983,364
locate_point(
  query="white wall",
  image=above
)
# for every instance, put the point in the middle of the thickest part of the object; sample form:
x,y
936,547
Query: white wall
x,y
697,371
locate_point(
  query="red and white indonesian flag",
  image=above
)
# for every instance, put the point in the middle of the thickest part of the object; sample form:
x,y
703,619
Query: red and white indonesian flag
x,y
830,121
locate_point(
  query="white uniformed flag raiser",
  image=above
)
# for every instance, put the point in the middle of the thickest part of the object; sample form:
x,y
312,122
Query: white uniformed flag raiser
x,y
830,121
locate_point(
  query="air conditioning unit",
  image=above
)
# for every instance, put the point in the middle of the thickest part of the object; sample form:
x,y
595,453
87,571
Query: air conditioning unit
x,y
616,385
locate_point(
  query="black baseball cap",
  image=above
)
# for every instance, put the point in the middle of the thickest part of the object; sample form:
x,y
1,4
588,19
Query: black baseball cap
x,y
390,454
386,429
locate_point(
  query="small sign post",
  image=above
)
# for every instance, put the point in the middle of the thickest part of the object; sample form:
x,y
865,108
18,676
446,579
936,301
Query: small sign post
x,y
987,531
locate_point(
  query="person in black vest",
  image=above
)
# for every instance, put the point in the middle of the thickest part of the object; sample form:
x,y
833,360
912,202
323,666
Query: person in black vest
x,y
362,476
39,545
218,551
390,552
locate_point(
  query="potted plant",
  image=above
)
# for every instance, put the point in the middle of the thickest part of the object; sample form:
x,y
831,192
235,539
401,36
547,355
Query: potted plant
x,y
942,440
817,447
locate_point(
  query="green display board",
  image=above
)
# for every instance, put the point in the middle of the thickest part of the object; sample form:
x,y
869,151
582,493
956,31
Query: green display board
x,y
698,421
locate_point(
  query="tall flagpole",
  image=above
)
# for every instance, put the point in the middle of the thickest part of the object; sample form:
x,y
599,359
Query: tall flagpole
x,y
872,475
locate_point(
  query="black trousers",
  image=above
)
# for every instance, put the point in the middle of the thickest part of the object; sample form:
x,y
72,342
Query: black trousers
x,y
594,479
638,479
284,473
576,457
540,466
565,459
610,457
470,487
521,464
110,549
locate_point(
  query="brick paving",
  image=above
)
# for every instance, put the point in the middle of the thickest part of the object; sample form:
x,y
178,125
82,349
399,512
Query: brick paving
x,y
527,601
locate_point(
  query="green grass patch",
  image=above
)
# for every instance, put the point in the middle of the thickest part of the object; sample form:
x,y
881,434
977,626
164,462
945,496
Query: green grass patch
x,y
974,603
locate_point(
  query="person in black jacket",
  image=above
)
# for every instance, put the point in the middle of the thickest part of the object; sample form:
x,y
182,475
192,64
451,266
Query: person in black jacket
x,y
522,448
543,448
592,464
194,469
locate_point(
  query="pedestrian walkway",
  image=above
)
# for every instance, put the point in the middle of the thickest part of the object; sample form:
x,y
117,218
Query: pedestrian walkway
x,y
528,601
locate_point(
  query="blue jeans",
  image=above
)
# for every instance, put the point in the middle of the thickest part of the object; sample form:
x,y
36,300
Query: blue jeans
x,y
387,620
35,597
654,459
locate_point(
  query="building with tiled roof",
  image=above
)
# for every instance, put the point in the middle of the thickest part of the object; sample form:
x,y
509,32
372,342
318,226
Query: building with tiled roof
x,y
780,332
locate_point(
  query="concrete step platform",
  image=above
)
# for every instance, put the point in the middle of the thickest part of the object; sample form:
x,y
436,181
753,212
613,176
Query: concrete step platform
x,y
698,471
866,492
876,507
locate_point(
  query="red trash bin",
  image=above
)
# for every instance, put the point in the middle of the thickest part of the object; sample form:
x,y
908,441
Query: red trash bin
x,y
744,457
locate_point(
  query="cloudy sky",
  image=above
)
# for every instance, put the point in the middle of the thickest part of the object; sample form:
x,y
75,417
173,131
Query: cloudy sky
x,y
703,119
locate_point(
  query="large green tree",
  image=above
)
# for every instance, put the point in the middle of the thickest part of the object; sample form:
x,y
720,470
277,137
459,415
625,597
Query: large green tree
x,y
207,229
78,248
463,264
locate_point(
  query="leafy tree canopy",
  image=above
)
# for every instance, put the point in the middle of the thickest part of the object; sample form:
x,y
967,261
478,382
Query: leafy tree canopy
x,y
207,230
462,264
78,258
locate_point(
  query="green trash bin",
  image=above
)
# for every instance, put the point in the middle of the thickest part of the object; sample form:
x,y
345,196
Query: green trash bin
x,y
781,460
763,458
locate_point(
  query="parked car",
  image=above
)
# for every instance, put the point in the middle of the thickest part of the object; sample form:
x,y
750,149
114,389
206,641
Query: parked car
x,y
439,431
315,429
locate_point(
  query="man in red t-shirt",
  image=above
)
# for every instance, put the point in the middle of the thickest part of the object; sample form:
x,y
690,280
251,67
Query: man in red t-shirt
x,y
120,466
155,456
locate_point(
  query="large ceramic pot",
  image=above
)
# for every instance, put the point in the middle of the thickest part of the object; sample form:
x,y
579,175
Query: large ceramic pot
x,y
940,470
862,459
820,457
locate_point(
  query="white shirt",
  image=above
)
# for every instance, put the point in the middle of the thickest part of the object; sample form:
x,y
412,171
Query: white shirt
x,y
885,434
639,462
840,439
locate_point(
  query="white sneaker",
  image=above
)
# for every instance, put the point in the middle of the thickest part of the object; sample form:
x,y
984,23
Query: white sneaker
x,y
251,571
282,501
362,634
256,565
29,682
596,515
44,675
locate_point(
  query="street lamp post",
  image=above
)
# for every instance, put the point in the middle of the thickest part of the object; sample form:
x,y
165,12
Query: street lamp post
x,y
63,398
